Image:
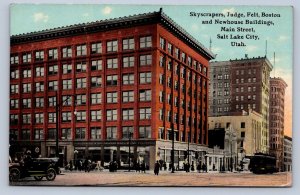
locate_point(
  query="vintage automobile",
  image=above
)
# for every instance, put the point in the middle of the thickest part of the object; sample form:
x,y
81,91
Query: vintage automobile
x,y
35,167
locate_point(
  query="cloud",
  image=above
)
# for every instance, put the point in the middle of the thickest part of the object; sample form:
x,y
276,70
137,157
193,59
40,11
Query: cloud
x,y
107,10
195,27
231,10
282,38
216,49
40,17
251,48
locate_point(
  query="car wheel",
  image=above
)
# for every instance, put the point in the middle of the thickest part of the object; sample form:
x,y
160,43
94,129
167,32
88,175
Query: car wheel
x,y
14,174
51,174
38,178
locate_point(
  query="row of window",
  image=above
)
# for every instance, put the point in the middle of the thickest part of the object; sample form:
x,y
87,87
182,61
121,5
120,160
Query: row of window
x,y
144,132
96,115
111,80
95,98
242,72
81,50
145,60
241,107
188,119
241,98
253,80
179,55
241,89
178,135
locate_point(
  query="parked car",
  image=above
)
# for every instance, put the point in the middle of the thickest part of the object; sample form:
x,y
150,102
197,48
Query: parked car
x,y
36,167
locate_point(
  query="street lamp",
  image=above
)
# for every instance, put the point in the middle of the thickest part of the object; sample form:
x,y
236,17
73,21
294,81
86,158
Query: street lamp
x,y
58,106
130,134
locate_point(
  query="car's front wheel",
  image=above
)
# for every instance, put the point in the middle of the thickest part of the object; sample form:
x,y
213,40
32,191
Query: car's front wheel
x,y
14,174
51,174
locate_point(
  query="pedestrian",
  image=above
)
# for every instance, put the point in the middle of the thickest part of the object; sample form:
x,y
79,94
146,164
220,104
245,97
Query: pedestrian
x,y
143,167
165,165
137,167
71,165
199,167
214,167
156,168
85,165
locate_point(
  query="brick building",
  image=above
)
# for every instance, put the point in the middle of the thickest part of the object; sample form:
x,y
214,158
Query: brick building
x,y
277,94
241,84
287,154
110,80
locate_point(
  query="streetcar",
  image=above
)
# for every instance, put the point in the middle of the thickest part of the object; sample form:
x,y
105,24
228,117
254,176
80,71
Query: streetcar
x,y
262,164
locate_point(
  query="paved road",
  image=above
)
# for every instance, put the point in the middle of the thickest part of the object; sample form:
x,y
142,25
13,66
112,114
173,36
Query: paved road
x,y
105,178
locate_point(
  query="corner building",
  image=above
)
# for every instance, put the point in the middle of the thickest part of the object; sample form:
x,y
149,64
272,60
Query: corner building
x,y
117,83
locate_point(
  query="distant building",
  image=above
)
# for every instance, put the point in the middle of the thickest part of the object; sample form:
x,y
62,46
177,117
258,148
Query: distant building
x,y
277,95
130,78
287,154
240,85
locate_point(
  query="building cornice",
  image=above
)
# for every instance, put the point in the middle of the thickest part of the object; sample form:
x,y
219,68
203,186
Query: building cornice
x,y
112,24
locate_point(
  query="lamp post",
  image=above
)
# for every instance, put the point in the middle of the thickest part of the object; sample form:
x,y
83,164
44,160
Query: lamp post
x,y
173,149
230,136
58,106
129,144
75,158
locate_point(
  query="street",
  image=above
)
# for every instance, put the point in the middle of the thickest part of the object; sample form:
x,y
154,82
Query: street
x,y
122,178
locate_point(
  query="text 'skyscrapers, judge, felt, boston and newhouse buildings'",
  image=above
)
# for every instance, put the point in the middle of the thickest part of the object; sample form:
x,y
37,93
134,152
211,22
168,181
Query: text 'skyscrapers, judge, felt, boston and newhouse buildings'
x,y
133,76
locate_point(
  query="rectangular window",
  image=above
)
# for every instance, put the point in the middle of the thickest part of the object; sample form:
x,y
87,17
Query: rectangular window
x,y
183,57
26,58
26,73
66,116
145,77
80,133
14,59
14,119
243,125
128,79
145,113
96,65
66,52
53,70
112,80
25,134
127,132
81,67
39,86
39,102
145,42
112,46
111,132
27,103
66,100
52,86
52,117
66,133
96,133
162,43
128,44
96,48
39,56
80,99
162,61
111,115
96,82
38,134
145,60
128,61
127,114
145,95
96,98
96,115
39,71
67,84
112,63
161,79
81,83
81,116
26,118
14,103
26,87
80,50
128,96
14,74
170,48
112,97
177,53
51,133
39,118
52,54
144,131
67,68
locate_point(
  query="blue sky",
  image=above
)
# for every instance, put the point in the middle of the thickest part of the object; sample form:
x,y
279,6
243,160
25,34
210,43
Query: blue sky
x,y
34,17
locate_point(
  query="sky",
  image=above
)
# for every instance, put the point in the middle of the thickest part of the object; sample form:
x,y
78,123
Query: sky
x,y
26,18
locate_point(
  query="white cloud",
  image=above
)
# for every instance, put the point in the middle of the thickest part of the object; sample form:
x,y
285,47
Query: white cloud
x,y
195,27
85,15
107,10
231,10
282,38
40,17
251,48
216,49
